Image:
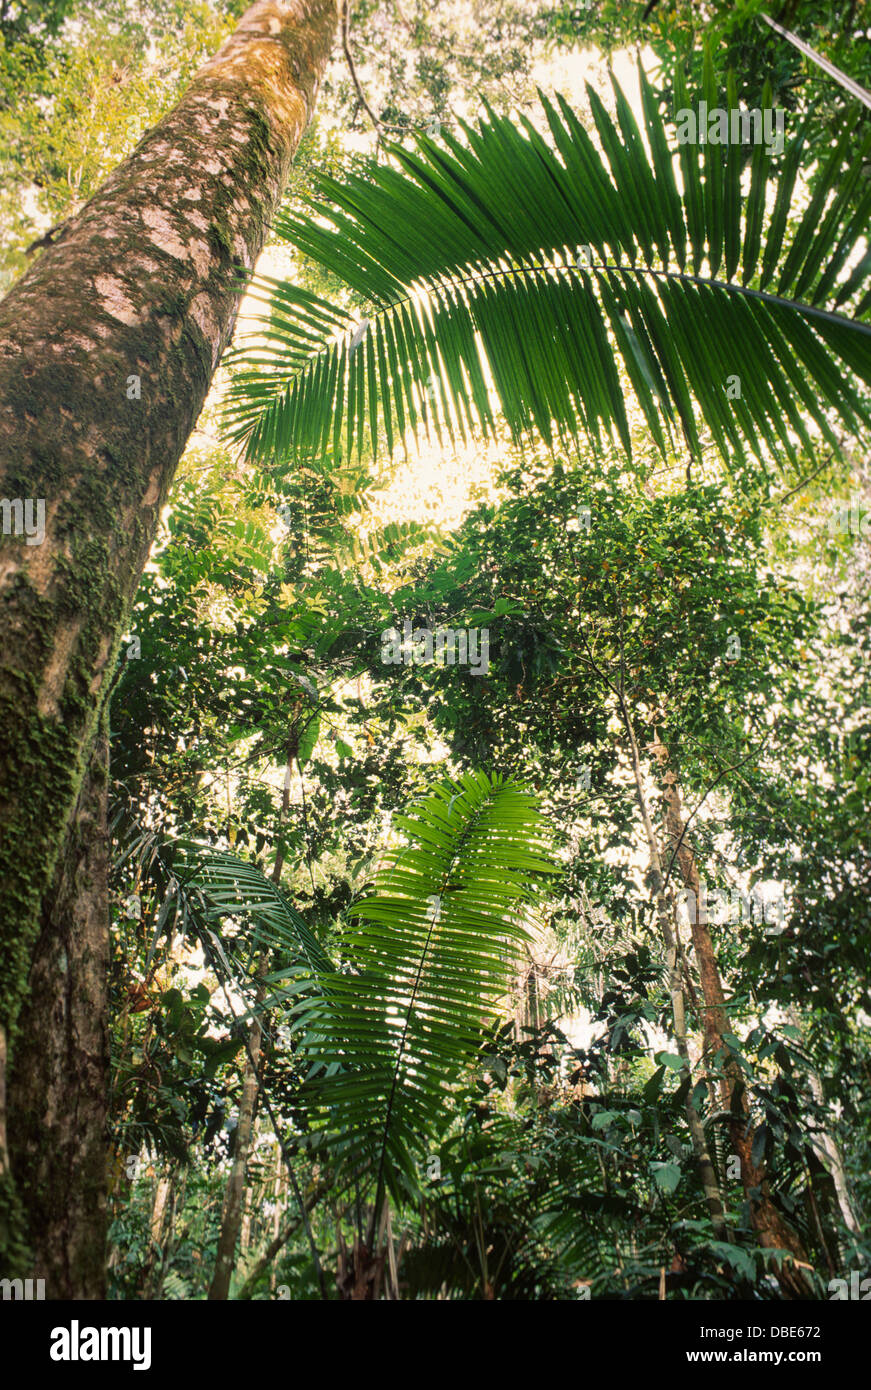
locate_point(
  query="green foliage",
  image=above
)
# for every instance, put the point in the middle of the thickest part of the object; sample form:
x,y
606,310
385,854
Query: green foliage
x,y
479,290
495,1092
77,96
426,963
215,888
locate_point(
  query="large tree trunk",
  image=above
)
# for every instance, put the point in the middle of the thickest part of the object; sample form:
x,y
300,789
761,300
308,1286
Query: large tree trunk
x,y
58,1091
107,349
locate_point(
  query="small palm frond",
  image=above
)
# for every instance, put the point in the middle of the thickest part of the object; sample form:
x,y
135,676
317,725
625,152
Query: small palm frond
x,y
228,903
544,280
431,957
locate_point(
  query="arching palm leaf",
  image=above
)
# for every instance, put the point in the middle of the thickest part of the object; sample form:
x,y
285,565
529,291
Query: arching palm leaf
x,y
512,273
431,956
216,890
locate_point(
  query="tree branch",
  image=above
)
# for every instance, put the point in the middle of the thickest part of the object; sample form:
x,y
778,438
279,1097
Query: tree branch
x,y
346,48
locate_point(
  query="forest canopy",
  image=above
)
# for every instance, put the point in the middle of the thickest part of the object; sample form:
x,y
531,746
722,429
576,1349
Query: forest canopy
x,y
434,789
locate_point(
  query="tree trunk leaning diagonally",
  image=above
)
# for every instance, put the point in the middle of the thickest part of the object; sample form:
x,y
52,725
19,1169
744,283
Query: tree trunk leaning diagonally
x,y
107,349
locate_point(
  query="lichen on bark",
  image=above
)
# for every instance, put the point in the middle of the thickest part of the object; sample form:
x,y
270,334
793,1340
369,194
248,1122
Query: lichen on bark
x,y
63,1183
143,281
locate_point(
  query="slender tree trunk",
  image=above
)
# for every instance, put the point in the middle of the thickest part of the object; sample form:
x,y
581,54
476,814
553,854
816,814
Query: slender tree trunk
x,y
279,1240
58,1094
163,1204
173,1234
234,1199
279,1210
245,1236
707,1172
773,1230
107,349
828,1147
231,1218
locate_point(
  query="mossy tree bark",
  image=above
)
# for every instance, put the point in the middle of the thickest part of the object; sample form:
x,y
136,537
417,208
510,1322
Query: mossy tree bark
x,y
107,349
58,1093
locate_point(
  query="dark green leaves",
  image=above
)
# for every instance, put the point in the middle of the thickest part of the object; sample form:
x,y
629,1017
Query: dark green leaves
x,y
535,277
429,959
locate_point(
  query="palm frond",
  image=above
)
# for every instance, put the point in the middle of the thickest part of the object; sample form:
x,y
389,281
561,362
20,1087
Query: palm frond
x,y
536,278
431,957
217,891
848,83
